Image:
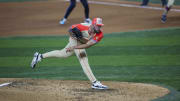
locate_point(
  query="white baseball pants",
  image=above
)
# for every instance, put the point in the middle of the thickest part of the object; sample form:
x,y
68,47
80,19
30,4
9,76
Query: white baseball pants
x,y
80,53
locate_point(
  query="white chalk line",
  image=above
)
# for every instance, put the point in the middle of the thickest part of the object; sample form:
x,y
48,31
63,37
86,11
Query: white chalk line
x,y
5,84
128,5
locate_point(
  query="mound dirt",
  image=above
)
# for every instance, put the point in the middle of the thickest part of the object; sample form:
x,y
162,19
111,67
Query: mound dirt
x,y
65,90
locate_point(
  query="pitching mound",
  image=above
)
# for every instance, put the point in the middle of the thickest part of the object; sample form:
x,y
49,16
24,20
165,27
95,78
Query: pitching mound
x,y
59,90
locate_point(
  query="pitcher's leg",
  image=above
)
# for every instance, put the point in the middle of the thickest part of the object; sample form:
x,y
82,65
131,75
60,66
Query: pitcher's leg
x,y
61,53
82,56
57,53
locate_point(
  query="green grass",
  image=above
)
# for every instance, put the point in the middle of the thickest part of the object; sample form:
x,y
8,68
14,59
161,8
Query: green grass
x,y
150,56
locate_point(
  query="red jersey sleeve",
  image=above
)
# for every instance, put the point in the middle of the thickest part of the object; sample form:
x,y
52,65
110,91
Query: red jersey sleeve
x,y
98,37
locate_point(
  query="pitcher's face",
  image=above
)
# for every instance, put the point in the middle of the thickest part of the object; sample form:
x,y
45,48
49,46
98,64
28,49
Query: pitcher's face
x,y
96,28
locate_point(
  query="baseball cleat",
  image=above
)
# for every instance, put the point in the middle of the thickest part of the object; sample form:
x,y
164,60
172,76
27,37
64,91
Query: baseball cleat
x,y
88,21
62,21
98,85
35,60
163,18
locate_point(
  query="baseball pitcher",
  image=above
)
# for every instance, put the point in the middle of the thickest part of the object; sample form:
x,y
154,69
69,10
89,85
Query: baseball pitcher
x,y
166,10
82,36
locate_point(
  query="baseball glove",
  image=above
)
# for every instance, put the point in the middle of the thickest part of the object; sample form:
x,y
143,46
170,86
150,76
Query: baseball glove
x,y
76,33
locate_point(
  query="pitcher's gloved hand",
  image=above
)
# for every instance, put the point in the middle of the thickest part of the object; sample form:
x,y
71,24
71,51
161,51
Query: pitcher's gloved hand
x,y
76,33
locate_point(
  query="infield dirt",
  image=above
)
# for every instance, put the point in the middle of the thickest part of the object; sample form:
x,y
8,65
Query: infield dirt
x,y
42,17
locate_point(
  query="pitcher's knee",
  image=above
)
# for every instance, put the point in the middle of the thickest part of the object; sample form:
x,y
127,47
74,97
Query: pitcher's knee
x,y
82,55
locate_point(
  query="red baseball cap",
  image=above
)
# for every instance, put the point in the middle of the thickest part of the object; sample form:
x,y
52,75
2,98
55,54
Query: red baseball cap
x,y
97,21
